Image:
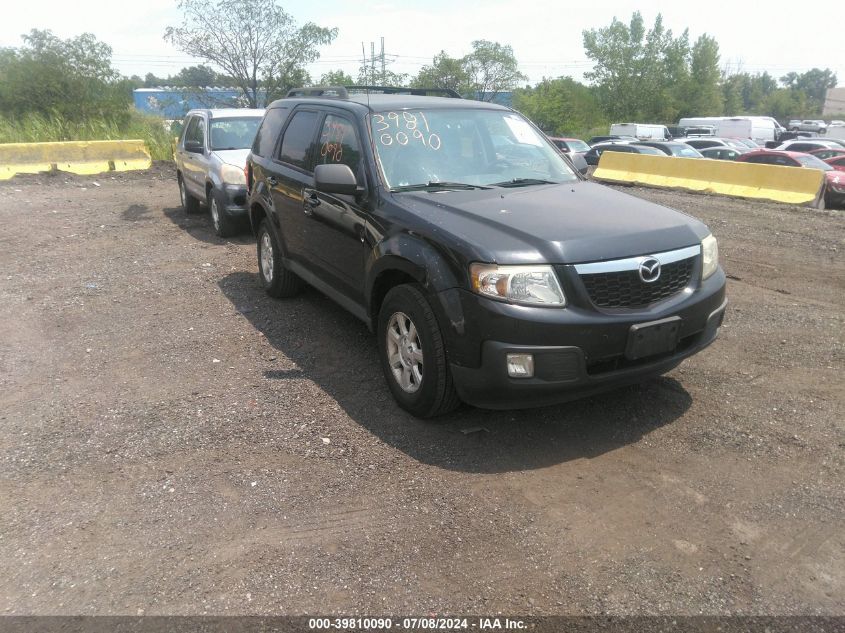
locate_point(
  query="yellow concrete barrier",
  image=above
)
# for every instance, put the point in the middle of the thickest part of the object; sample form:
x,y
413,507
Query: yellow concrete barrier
x,y
78,157
795,185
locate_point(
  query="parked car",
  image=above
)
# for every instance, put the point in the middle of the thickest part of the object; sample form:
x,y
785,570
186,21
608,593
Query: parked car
x,y
810,125
497,283
749,143
210,158
836,123
721,153
837,162
673,148
701,143
611,137
592,157
676,131
824,154
834,193
807,145
793,124
567,145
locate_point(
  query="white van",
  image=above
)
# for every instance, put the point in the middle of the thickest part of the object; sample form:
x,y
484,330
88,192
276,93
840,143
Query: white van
x,y
642,131
696,121
759,129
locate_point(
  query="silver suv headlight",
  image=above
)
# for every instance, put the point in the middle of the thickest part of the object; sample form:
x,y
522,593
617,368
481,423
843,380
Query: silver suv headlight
x,y
525,285
232,175
709,256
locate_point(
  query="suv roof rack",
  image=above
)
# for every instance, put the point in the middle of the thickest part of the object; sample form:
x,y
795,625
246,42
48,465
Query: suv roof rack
x,y
338,92
394,90
342,92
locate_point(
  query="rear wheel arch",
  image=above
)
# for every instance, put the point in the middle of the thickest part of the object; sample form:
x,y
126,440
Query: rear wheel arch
x,y
257,213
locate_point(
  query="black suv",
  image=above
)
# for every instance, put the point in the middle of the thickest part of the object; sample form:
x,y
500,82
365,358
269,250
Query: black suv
x,y
490,270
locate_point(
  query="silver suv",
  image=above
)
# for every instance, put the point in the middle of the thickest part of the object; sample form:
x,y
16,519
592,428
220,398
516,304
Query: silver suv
x,y
210,159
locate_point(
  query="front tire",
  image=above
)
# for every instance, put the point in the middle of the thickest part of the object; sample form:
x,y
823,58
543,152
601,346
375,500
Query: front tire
x,y
223,223
413,354
189,203
277,281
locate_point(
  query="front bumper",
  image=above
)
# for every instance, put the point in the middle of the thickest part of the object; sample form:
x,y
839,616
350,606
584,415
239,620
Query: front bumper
x,y
235,199
577,351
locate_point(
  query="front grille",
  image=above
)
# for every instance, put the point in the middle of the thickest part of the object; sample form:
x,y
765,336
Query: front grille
x,y
625,289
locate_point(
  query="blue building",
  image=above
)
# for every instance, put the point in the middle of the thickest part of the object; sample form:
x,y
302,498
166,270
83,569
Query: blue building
x,y
174,103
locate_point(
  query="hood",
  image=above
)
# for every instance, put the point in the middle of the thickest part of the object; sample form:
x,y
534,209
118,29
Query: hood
x,y
555,224
236,157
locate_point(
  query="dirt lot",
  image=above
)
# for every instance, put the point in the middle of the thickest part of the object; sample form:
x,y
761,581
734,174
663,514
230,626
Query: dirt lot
x,y
173,441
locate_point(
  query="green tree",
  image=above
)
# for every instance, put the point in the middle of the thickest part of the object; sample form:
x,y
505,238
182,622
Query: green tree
x,y
255,42
784,104
492,68
704,94
560,106
636,72
71,79
445,72
195,76
336,78
814,84
373,75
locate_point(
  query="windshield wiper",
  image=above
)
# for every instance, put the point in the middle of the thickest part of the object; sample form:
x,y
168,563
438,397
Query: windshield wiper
x,y
438,184
523,182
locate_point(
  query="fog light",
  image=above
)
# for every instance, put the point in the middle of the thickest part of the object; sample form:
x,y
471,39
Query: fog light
x,y
521,365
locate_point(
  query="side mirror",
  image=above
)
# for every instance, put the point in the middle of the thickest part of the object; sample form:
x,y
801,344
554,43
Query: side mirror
x,y
194,147
335,178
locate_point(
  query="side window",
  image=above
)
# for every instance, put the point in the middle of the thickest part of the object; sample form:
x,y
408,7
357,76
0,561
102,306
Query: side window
x,y
196,130
189,129
265,139
339,143
780,160
757,159
185,126
298,139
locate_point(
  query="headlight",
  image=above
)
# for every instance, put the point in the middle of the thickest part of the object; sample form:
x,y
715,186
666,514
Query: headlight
x,y
709,256
527,285
232,175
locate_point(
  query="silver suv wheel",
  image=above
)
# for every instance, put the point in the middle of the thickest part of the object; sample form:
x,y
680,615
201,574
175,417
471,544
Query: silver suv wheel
x,y
404,352
266,257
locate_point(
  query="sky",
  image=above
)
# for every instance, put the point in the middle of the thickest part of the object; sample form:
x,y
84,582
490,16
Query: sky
x,y
545,34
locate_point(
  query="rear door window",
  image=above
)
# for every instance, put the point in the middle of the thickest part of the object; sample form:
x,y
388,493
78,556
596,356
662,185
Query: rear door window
x,y
298,140
268,133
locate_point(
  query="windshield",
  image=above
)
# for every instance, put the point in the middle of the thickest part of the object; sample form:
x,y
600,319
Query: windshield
x,y
234,133
471,147
815,163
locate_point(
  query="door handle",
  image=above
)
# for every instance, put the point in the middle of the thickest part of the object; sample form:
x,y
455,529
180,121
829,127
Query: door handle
x,y
272,181
310,201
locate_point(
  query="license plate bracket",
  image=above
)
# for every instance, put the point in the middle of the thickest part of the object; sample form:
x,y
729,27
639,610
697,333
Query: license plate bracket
x,y
653,338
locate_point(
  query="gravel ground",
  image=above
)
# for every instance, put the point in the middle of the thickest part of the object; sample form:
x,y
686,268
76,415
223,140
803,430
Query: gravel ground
x,y
172,441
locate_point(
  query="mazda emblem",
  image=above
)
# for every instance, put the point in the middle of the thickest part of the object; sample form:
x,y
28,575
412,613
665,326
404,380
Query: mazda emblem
x,y
649,270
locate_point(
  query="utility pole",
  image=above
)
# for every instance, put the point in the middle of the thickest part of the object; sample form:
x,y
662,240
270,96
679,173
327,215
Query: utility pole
x,y
369,65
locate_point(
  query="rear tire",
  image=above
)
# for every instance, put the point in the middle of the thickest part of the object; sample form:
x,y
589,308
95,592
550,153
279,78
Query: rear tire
x,y
189,203
413,354
277,281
